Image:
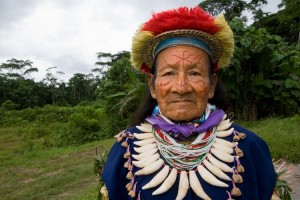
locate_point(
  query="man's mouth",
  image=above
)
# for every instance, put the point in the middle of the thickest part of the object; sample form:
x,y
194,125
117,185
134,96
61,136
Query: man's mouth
x,y
181,101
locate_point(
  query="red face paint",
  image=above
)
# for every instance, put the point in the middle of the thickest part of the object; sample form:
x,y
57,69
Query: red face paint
x,y
182,86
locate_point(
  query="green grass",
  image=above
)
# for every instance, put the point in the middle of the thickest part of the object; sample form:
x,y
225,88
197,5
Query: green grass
x,y
67,173
281,135
58,173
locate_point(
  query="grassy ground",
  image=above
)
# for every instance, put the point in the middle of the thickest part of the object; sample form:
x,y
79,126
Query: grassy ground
x,y
67,173
282,136
60,173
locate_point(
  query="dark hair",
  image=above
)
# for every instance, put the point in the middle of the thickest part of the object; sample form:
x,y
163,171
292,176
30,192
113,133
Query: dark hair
x,y
220,99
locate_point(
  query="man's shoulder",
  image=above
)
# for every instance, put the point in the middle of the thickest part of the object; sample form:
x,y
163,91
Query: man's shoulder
x,y
242,129
251,137
132,129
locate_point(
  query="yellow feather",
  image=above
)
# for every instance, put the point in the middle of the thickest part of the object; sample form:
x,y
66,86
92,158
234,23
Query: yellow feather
x,y
225,36
139,40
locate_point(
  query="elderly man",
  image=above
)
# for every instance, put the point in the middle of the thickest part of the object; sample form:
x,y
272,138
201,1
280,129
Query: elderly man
x,y
183,145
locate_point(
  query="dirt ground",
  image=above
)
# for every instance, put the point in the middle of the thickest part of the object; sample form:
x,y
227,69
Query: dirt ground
x,y
294,180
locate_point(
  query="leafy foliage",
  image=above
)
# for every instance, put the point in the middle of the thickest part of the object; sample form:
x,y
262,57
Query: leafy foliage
x,y
122,89
26,93
54,126
285,23
282,189
8,105
231,9
234,9
17,68
264,69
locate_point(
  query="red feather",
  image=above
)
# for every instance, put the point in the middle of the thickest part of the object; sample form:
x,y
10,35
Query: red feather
x,y
145,69
181,18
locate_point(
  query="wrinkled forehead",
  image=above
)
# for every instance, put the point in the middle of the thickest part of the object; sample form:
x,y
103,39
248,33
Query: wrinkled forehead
x,y
188,55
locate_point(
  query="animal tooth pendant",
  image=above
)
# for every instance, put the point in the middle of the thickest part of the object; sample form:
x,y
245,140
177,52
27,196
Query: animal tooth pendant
x,y
148,125
158,178
196,186
145,148
146,161
222,155
223,148
224,133
219,164
209,178
168,183
143,136
145,128
149,169
144,154
216,171
224,125
225,142
183,185
144,142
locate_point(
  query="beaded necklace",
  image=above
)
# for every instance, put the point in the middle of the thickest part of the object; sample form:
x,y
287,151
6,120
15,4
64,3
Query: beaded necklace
x,y
180,156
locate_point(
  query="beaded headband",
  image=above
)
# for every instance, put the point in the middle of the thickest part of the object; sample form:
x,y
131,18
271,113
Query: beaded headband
x,y
178,41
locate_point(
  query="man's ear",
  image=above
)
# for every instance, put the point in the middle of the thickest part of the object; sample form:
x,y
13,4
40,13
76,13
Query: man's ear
x,y
213,84
151,82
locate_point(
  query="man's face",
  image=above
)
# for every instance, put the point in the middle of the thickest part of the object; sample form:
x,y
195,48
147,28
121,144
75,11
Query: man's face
x,y
182,85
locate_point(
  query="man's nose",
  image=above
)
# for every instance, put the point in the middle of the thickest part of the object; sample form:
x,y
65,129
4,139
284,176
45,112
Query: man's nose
x,y
181,84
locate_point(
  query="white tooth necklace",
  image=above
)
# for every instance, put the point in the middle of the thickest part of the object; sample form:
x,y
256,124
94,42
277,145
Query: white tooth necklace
x,y
208,154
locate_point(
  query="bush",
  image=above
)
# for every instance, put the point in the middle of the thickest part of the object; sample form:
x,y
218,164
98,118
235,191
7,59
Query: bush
x,y
9,105
53,126
87,124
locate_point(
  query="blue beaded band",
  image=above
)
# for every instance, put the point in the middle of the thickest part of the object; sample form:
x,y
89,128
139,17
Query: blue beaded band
x,y
180,41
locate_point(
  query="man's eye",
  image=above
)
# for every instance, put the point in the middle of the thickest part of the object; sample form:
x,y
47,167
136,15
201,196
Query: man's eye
x,y
168,73
194,73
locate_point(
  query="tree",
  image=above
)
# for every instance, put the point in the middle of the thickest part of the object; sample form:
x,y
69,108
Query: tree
x,y
17,68
115,75
268,67
233,9
8,105
14,84
121,89
230,9
285,22
81,88
4,89
56,86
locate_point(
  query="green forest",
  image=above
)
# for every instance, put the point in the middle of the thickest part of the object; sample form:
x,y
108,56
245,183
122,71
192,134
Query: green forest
x,y
263,82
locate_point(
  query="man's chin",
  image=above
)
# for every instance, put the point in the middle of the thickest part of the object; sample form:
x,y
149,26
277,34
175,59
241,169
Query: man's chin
x,y
181,115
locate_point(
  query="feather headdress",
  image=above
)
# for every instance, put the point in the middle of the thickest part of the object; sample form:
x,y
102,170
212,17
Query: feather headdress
x,y
183,23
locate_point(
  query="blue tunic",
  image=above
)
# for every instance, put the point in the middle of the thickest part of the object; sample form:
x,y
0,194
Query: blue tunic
x,y
258,179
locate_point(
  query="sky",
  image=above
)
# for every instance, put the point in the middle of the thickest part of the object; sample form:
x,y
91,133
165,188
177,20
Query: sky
x,y
67,34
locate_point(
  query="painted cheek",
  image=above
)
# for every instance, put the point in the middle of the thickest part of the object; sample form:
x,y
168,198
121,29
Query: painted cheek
x,y
162,84
162,89
201,85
